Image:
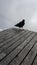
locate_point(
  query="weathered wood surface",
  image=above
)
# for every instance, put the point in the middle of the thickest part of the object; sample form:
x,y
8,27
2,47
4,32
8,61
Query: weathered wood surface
x,y
18,47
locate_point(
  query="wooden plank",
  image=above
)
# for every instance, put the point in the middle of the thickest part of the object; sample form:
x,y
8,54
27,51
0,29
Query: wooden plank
x,y
2,55
13,54
30,57
10,39
15,45
35,61
18,59
10,34
5,32
9,50
5,37
15,40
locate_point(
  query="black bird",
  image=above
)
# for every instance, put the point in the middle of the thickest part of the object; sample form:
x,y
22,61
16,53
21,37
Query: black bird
x,y
20,24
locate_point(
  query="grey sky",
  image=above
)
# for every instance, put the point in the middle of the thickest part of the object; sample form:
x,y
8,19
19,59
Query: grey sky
x,y
12,11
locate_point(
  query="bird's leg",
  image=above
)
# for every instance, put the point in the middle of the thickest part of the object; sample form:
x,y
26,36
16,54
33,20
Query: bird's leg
x,y
22,27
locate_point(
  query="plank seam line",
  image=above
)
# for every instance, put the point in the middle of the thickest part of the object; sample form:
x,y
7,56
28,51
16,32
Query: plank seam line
x,y
34,59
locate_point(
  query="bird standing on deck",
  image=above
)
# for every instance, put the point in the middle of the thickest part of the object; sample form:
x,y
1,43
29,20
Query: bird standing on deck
x,y
20,24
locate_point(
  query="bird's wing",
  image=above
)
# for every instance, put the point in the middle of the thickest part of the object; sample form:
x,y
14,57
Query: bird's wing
x,y
18,24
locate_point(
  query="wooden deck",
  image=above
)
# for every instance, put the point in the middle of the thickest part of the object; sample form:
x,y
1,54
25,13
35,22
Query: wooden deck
x,y
18,47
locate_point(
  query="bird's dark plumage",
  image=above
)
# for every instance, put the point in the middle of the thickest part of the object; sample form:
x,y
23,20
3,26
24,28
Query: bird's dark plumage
x,y
20,24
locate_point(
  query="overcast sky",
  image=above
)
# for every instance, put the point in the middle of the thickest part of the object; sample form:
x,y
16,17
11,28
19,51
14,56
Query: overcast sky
x,y
13,11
